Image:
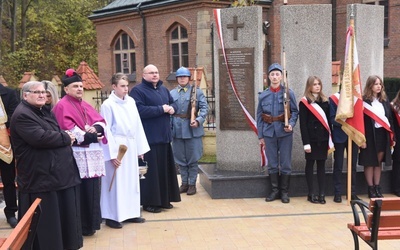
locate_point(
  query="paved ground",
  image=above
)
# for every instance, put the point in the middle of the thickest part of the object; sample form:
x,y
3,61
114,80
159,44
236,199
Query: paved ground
x,y
199,222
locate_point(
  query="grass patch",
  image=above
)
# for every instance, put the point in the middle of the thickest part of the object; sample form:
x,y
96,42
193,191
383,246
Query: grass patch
x,y
208,159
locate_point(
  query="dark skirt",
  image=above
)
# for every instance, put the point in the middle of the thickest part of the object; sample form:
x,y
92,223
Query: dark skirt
x,y
381,139
319,151
161,184
90,205
59,225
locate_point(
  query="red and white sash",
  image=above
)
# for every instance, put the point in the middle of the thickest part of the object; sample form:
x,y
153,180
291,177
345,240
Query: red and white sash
x,y
397,115
335,98
379,118
319,113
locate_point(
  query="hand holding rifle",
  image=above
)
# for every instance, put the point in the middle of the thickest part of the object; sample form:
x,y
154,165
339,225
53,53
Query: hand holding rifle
x,y
193,100
286,96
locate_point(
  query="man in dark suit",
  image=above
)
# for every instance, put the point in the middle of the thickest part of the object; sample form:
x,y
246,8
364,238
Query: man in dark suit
x,y
9,101
340,139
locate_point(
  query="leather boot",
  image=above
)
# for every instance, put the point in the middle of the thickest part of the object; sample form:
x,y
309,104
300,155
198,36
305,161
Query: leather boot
x,y
371,192
378,191
274,188
183,188
285,183
191,190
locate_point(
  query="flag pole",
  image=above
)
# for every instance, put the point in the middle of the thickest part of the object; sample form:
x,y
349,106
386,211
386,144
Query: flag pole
x,y
349,168
349,140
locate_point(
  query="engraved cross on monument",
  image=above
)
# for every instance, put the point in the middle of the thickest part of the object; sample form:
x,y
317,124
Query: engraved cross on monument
x,y
235,25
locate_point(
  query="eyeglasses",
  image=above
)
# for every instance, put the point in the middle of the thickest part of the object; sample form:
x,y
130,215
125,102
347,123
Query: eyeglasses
x,y
37,92
152,73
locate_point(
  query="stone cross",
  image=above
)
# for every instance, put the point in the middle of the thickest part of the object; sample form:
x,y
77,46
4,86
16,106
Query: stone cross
x,y
235,27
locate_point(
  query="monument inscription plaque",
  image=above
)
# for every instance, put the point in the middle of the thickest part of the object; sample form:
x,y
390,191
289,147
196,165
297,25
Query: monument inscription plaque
x,y
240,61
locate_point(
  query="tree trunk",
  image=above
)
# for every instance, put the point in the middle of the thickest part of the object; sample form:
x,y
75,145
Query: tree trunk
x,y
13,25
24,9
1,27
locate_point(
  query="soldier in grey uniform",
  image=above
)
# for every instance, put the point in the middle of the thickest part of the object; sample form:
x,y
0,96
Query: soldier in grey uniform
x,y
187,129
272,133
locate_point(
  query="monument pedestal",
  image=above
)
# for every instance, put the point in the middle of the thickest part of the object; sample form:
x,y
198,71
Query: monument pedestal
x,y
227,184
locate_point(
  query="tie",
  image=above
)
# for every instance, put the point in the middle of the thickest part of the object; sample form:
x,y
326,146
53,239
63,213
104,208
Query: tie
x,y
184,89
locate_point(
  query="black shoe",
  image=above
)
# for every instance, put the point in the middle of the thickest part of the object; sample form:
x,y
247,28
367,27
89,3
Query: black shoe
x,y
355,197
397,194
136,220
312,198
88,233
12,221
152,209
378,191
169,206
285,198
337,198
113,224
322,199
371,192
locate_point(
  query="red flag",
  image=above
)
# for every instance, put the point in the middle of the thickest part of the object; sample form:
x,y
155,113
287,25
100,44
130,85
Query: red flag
x,y
350,107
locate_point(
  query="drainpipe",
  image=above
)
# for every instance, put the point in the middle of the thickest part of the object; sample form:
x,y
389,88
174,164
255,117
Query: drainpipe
x,y
333,2
144,29
212,61
268,46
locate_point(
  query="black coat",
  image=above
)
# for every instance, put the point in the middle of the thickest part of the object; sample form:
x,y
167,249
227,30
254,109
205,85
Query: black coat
x,y
369,155
313,132
396,130
42,150
10,100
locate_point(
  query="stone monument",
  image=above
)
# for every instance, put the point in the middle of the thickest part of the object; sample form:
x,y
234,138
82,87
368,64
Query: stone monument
x,y
237,172
306,38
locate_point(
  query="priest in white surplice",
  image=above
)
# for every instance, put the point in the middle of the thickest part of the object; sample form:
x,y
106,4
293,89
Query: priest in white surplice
x,y
120,202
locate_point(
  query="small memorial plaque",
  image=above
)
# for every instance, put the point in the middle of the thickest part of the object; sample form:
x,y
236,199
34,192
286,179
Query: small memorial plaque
x,y
241,65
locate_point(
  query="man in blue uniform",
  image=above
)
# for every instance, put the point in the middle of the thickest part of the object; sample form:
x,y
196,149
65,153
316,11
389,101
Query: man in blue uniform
x,y
187,129
272,133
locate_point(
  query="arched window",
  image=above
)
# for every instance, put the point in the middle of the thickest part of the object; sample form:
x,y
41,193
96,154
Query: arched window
x,y
124,55
179,47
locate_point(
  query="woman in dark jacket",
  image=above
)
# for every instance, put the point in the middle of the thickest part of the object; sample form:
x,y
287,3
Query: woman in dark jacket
x,y
395,104
47,170
378,134
315,134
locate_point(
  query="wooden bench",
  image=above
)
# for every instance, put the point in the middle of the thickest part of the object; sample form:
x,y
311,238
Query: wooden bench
x,y
381,221
23,235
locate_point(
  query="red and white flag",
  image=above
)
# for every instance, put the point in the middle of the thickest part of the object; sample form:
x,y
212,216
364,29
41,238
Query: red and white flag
x,y
350,107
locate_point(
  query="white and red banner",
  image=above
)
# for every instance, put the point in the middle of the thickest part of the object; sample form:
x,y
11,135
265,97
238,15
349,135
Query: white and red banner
x,y
249,118
350,105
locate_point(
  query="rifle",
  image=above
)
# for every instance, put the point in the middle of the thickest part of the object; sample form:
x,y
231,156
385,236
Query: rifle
x,y
286,96
193,97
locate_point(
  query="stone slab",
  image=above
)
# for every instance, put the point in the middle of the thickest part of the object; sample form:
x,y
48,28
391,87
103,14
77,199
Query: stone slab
x,y
223,184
